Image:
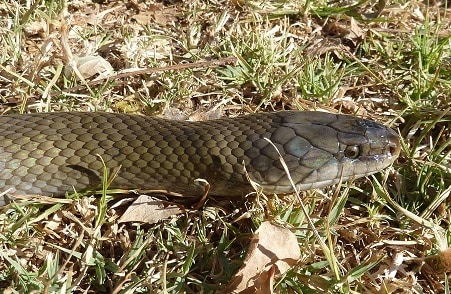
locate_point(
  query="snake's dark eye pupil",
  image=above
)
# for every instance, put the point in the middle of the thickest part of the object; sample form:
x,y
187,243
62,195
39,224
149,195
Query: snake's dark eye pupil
x,y
352,152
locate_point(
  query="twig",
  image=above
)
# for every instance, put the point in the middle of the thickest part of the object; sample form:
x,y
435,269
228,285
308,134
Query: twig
x,y
201,64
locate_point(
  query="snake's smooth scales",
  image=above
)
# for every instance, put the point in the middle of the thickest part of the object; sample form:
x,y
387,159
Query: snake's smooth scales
x,y
52,153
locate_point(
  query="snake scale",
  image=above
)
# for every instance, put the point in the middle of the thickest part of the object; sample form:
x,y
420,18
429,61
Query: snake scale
x,y
53,153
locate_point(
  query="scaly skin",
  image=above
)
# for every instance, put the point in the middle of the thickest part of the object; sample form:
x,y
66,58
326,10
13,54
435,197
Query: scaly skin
x,y
52,153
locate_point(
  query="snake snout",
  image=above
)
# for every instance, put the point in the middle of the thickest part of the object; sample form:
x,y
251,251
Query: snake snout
x,y
393,144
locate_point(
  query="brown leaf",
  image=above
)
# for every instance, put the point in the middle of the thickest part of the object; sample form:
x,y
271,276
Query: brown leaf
x,y
96,17
143,18
273,250
203,115
150,210
88,66
156,14
356,34
36,28
92,65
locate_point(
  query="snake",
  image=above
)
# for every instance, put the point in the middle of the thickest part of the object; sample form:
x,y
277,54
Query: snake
x,y
54,153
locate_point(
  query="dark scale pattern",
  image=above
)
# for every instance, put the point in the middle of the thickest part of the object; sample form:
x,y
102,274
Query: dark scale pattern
x,y
51,153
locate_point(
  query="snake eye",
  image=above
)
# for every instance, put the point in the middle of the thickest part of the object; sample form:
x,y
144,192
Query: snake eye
x,y
352,152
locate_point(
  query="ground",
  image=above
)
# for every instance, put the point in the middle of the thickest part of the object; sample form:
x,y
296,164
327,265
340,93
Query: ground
x,y
387,61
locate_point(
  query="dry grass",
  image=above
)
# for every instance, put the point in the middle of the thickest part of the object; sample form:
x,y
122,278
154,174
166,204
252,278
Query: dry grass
x,y
390,62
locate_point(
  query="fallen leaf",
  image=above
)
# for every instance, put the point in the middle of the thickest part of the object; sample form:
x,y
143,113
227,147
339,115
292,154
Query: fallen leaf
x,y
379,7
96,17
92,65
36,28
143,18
203,114
150,210
444,260
356,34
273,250
156,14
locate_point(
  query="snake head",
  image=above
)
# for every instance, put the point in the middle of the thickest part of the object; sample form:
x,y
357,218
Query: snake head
x,y
321,149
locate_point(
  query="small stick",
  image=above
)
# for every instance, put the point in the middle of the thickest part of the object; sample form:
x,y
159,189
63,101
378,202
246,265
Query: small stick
x,y
200,64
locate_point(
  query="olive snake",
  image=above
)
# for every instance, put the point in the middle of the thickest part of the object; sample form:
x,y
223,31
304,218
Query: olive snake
x,y
53,153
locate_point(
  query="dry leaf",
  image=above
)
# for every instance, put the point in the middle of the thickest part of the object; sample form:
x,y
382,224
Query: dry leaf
x,y
54,222
203,115
150,210
356,34
88,66
96,17
156,14
273,250
91,65
34,28
143,18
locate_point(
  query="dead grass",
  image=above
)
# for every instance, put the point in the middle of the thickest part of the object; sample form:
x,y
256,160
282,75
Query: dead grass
x,y
387,61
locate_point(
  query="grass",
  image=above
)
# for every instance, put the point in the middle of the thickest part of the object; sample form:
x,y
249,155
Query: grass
x,y
393,66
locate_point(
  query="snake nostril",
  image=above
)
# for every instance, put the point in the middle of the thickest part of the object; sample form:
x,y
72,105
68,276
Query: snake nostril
x,y
393,143
394,150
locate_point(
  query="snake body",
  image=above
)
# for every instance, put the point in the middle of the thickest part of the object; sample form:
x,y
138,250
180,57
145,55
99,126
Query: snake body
x,y
53,153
